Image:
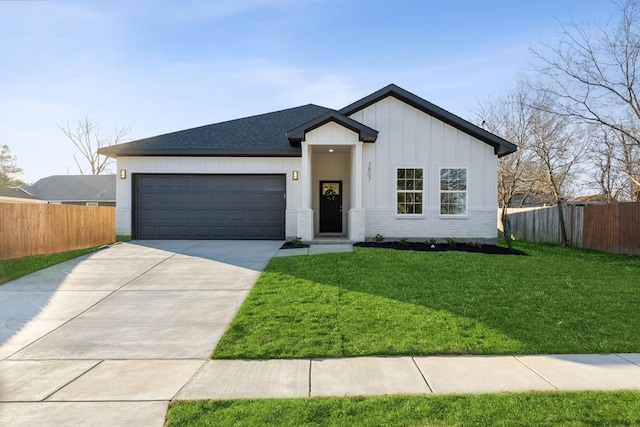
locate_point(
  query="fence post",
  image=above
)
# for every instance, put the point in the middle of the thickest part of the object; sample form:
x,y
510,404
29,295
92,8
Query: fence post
x,y
571,224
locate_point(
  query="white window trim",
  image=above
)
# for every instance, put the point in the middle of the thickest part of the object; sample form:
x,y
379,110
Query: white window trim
x,y
396,191
466,193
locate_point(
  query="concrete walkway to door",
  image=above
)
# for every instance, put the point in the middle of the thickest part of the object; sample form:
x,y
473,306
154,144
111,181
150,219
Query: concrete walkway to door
x,y
111,337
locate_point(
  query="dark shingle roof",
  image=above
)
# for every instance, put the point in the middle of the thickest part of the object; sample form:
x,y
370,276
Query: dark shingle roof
x,y
265,135
16,193
262,135
501,147
74,188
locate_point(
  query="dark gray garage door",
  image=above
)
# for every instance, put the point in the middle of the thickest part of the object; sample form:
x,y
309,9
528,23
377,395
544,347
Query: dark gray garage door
x,y
209,206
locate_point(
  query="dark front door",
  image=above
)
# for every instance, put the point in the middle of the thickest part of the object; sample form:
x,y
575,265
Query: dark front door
x,y
331,206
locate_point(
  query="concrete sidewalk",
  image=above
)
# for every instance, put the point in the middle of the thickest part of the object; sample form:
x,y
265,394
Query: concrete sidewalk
x,y
362,376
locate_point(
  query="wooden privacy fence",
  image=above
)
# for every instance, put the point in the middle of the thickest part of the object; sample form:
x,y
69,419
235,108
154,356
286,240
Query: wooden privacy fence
x,y
28,229
611,228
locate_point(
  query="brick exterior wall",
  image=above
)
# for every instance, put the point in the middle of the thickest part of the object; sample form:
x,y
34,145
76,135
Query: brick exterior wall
x,y
305,224
478,225
356,220
291,223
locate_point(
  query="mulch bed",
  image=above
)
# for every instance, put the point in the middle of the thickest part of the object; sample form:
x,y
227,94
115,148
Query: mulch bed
x,y
289,245
441,247
426,247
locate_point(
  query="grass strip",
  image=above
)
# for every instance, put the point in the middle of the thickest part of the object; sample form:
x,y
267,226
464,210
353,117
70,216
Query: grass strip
x,y
525,409
15,268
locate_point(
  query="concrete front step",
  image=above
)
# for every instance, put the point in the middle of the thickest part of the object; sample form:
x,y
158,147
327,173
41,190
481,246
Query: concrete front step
x,y
315,250
329,241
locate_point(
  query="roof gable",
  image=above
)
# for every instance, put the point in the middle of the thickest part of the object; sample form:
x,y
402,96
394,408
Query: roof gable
x,y
501,146
365,133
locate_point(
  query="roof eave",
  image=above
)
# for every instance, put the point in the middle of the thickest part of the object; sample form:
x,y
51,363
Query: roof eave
x,y
292,152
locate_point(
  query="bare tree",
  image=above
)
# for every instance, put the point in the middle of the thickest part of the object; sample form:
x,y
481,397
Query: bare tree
x,y
9,167
550,147
617,166
559,145
514,117
509,117
629,163
593,74
87,137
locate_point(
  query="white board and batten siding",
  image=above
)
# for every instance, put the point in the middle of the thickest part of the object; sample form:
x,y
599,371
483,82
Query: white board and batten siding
x,y
331,134
205,165
409,138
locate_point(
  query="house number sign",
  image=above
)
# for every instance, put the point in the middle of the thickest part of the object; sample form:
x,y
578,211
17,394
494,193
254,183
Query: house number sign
x,y
369,172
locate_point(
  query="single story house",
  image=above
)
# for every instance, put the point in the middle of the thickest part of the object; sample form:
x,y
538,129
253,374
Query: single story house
x,y
391,163
84,190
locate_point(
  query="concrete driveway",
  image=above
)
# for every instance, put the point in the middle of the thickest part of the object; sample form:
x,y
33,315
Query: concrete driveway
x,y
110,338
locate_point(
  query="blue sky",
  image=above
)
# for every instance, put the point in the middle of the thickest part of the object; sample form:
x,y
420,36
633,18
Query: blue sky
x,y
159,66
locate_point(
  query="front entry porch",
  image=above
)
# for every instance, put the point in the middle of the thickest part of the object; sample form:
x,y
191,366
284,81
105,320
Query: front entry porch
x,y
331,178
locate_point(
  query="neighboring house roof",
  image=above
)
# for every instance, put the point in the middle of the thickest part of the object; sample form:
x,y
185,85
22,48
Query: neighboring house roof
x,y
278,134
365,133
595,199
502,147
11,193
530,199
74,188
256,136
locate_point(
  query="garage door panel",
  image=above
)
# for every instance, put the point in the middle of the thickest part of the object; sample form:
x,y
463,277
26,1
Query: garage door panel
x,y
218,215
146,182
147,198
272,232
236,215
200,215
273,216
236,232
183,199
162,215
183,232
164,182
183,215
273,199
147,214
209,206
255,215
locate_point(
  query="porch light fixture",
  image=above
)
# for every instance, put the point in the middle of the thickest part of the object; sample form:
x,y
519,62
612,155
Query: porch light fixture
x,y
331,150
295,175
123,174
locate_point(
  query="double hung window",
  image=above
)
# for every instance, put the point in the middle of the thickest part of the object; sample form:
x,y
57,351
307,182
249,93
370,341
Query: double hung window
x,y
409,191
453,191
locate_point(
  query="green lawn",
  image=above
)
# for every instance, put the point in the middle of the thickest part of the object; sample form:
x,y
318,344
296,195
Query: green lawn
x,y
530,409
14,268
386,302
